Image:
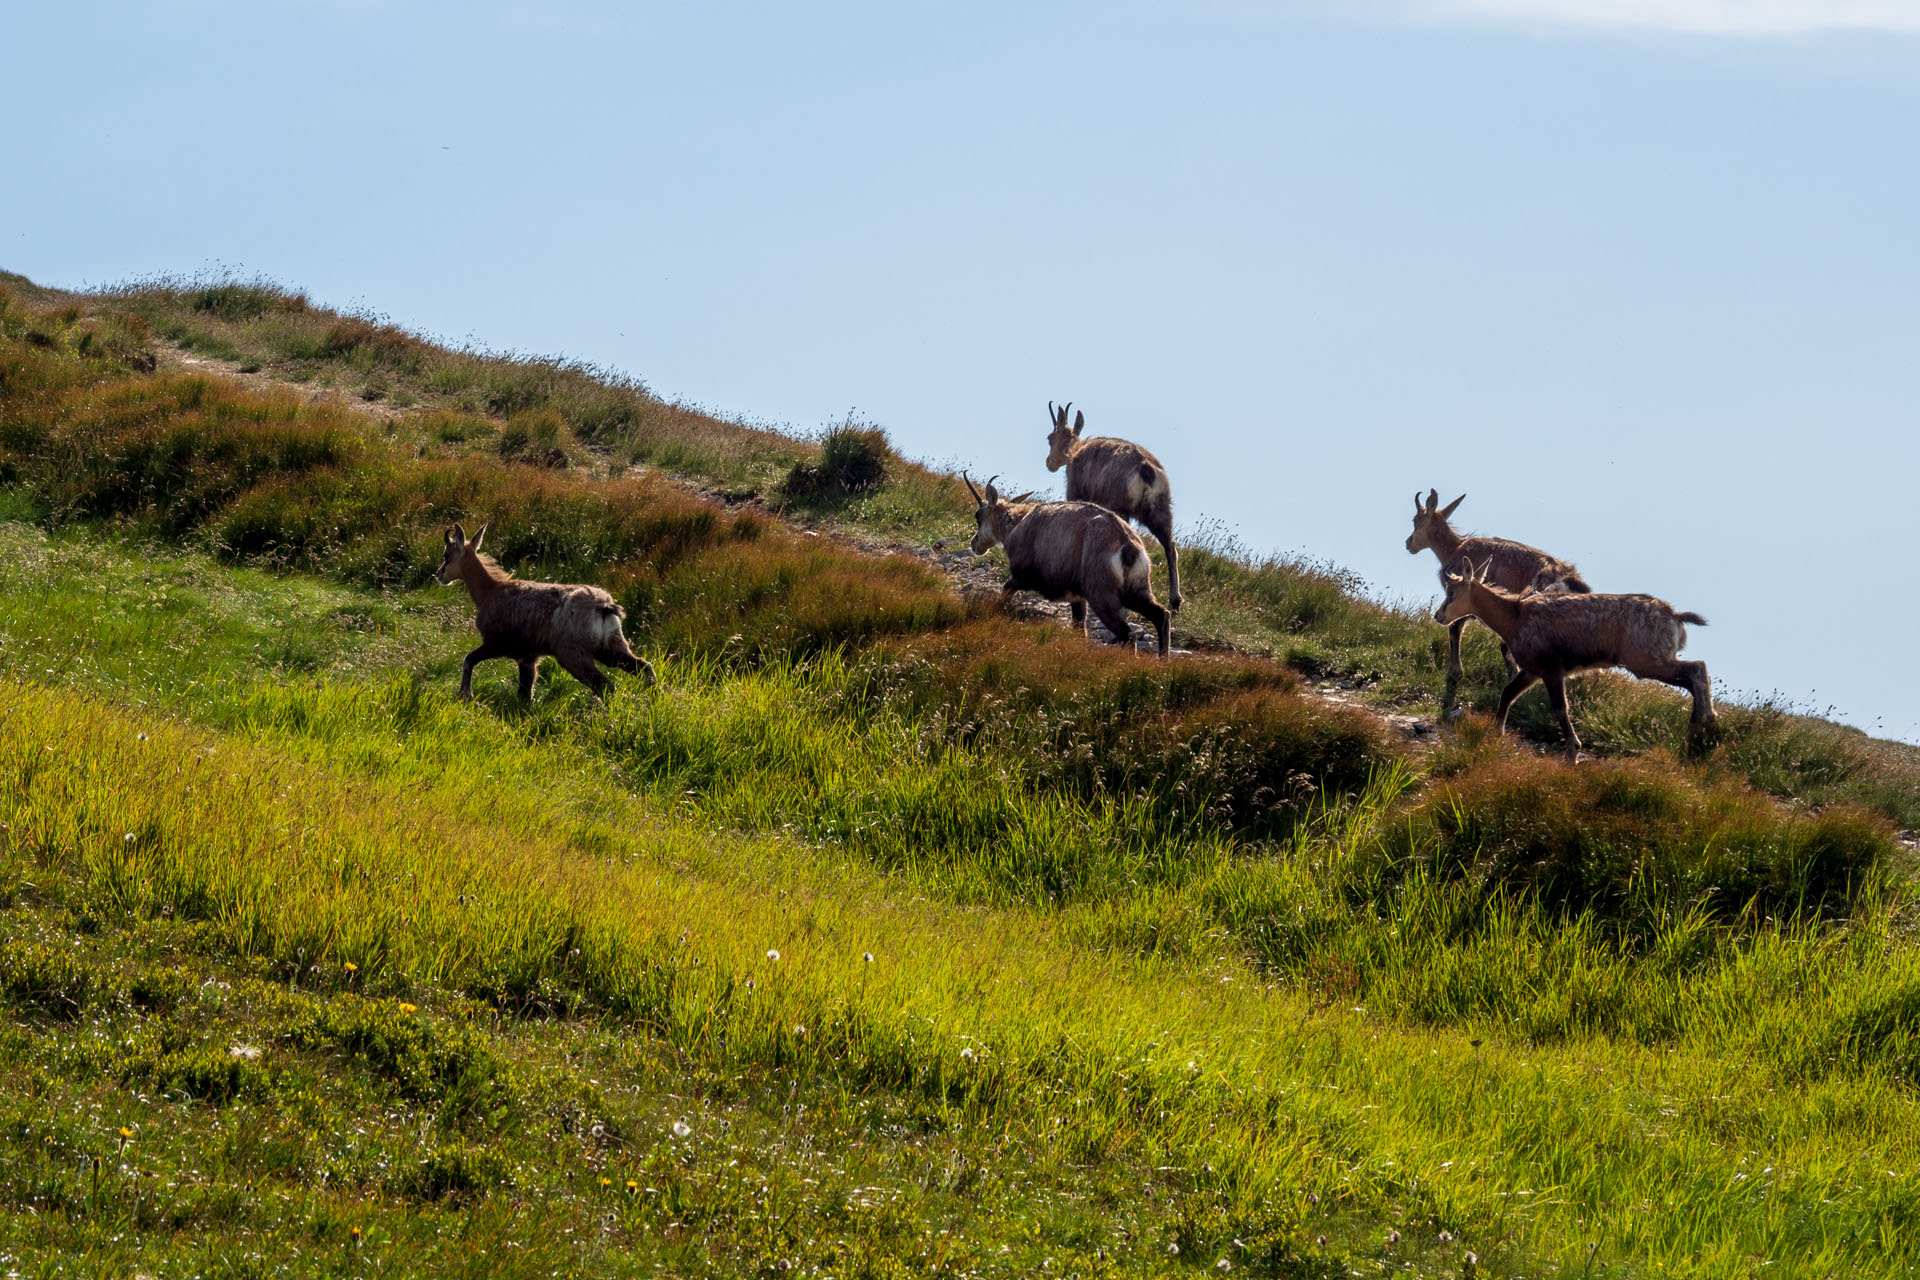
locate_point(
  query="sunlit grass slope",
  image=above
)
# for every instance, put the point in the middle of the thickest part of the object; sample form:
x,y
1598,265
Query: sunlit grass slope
x,y
517,440
885,936
584,938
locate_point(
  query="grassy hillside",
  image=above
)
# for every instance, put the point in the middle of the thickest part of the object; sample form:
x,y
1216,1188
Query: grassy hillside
x,y
887,935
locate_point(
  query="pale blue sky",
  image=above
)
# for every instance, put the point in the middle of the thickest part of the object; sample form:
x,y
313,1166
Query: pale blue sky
x,y
1641,277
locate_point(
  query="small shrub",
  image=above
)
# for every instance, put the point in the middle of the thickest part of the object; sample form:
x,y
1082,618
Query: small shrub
x,y
453,1171
158,990
234,302
47,979
428,1061
202,1072
853,460
535,437
1631,840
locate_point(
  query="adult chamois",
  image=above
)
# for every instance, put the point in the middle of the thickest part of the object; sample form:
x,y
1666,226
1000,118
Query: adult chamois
x,y
525,621
1551,635
1073,551
1120,476
1515,567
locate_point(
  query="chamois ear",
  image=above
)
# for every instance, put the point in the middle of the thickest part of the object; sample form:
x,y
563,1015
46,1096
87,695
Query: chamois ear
x,y
456,534
1461,572
478,536
1079,421
993,495
1433,499
1448,509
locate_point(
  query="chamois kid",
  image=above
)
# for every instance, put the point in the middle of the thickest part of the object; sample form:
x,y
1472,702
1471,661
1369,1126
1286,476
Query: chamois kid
x,y
1073,551
1515,567
525,621
1120,476
1551,635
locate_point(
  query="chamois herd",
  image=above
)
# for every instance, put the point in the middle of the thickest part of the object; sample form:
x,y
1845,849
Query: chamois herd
x,y
1084,550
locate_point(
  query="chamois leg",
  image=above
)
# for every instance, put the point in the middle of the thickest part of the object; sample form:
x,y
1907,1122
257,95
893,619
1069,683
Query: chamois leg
x,y
1691,676
1454,669
1515,687
528,668
1160,525
580,667
487,649
1157,614
1704,730
1078,608
618,653
1114,614
1556,683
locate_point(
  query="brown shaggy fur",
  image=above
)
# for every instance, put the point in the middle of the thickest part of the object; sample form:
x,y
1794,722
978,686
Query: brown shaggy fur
x,y
525,621
1073,551
1120,476
1551,635
1515,567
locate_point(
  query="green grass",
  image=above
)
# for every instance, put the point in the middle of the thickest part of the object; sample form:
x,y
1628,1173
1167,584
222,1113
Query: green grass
x,y
472,405
1160,954
534,881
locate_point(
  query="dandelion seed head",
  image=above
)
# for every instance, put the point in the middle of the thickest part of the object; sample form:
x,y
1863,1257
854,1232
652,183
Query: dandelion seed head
x,y
681,1129
245,1052
128,837
772,954
1173,1248
867,956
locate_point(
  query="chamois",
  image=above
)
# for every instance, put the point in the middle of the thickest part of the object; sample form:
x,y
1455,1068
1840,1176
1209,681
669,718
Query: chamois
x,y
578,625
1120,476
1516,567
1553,634
1073,551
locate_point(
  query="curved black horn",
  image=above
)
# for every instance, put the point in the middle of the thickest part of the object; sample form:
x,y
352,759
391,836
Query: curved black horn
x,y
970,489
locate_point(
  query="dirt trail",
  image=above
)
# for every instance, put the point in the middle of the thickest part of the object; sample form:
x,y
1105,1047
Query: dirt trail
x,y
973,578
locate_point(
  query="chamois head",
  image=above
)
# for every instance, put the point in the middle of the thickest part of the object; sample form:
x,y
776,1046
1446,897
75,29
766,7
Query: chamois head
x,y
1426,517
985,536
1458,602
1062,438
453,568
